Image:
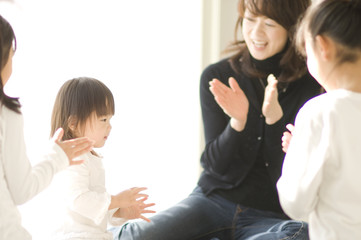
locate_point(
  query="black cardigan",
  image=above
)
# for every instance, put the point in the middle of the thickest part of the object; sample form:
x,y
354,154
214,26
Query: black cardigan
x,y
230,156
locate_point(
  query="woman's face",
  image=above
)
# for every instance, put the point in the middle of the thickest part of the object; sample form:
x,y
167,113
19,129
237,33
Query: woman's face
x,y
8,68
264,37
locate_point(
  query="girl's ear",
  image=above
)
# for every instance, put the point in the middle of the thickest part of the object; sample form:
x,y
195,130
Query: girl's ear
x,y
72,123
326,47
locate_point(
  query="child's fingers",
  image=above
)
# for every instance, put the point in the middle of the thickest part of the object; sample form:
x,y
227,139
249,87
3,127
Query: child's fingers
x,y
138,189
144,218
290,127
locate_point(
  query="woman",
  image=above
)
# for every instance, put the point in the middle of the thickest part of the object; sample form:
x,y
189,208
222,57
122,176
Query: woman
x,y
19,181
236,196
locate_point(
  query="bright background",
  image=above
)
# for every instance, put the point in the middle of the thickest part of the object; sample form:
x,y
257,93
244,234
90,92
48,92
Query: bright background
x,y
150,54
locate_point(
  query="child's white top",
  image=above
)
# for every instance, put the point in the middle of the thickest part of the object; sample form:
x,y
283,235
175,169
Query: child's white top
x,y
19,181
321,175
87,202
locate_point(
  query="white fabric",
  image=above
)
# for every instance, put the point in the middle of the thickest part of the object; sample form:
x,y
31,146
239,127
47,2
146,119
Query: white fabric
x,y
321,175
19,181
87,202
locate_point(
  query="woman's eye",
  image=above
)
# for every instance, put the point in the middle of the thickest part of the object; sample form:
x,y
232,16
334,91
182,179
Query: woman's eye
x,y
270,23
249,19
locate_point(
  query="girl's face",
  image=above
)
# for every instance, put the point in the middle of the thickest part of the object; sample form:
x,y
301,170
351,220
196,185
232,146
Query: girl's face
x,y
98,129
8,68
264,37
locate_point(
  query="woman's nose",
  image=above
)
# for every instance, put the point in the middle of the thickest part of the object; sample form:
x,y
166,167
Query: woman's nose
x,y
258,29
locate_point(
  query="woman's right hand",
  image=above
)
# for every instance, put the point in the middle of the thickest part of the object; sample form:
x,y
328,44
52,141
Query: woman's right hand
x,y
232,100
73,148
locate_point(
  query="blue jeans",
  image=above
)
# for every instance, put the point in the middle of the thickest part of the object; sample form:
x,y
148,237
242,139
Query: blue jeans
x,y
201,217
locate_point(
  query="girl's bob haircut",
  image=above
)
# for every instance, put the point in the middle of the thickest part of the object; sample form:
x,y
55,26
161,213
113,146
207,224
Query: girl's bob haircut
x,y
77,100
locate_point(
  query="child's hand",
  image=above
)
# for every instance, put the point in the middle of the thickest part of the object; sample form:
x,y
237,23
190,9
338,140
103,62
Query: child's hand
x,y
128,198
73,148
287,136
135,211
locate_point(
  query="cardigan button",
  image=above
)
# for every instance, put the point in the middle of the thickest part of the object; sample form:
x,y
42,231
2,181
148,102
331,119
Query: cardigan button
x,y
259,138
266,164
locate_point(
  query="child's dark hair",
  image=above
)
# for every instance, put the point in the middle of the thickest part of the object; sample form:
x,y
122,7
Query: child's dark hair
x,y
76,101
7,41
339,20
284,12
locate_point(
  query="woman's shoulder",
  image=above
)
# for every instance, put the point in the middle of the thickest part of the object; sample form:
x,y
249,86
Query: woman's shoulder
x,y
10,118
221,70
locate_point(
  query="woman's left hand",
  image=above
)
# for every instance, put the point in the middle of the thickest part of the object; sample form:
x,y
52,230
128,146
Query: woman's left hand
x,y
271,108
74,147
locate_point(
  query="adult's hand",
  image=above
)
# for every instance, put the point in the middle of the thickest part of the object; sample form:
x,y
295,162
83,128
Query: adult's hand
x,y
271,108
232,100
73,148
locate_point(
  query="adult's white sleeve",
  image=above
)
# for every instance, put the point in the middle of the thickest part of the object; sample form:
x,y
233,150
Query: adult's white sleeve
x,y
24,180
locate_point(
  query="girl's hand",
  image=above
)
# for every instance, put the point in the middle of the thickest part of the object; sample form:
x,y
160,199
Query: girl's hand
x,y
128,198
287,136
271,108
135,211
232,100
73,148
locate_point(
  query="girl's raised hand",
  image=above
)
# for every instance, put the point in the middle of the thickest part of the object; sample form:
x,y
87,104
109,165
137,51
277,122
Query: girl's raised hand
x,y
232,100
287,136
271,108
73,148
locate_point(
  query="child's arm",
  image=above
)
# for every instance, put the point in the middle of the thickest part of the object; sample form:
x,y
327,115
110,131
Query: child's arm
x,y
81,199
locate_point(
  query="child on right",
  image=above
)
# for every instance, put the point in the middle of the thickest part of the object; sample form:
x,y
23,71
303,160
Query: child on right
x,y
320,181
84,107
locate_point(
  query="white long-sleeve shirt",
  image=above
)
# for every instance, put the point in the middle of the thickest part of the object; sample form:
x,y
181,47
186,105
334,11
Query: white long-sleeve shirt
x,y
19,181
321,175
87,202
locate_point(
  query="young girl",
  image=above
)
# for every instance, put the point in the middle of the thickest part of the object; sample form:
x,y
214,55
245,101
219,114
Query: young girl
x,y
19,181
321,178
84,107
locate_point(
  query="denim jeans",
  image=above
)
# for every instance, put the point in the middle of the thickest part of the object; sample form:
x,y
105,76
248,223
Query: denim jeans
x,y
201,217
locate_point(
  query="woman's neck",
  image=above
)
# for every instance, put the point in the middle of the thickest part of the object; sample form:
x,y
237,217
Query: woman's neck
x,y
269,65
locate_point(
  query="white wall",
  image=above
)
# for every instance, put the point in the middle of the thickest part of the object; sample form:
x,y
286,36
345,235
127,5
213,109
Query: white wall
x,y
149,54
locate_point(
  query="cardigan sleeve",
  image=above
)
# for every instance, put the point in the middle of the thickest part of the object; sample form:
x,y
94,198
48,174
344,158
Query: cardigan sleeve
x,y
24,180
302,169
222,141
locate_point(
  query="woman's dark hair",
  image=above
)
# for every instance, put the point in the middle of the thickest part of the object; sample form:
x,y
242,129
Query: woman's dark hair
x,y
284,12
76,101
7,41
339,20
